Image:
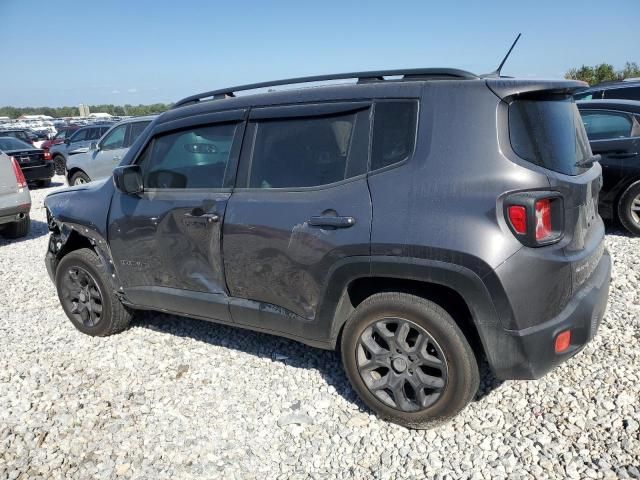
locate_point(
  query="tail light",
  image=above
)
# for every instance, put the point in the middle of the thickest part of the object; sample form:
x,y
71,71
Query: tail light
x,y
17,171
518,218
536,218
47,155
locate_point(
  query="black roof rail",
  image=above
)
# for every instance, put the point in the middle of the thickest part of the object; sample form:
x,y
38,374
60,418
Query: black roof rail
x,y
363,77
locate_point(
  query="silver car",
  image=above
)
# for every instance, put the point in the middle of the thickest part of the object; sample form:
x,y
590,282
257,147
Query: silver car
x,y
15,199
79,140
99,159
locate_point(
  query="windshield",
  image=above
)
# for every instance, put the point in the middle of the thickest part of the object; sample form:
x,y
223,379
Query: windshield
x,y
10,143
550,133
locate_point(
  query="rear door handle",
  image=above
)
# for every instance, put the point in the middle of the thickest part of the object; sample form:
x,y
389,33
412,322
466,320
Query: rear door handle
x,y
334,222
208,217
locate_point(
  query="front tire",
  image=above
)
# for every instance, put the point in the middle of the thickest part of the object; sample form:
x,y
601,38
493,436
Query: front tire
x,y
629,209
86,295
408,360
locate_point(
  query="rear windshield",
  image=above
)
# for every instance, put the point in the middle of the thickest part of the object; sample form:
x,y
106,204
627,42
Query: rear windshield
x,y
10,143
549,133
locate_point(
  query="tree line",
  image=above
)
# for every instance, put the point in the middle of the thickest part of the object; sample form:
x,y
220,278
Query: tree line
x,y
603,72
58,112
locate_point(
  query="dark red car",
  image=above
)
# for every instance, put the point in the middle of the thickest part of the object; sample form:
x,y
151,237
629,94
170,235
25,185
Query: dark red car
x,y
63,132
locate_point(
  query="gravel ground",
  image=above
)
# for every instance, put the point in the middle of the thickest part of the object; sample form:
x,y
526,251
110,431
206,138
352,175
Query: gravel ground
x,y
180,398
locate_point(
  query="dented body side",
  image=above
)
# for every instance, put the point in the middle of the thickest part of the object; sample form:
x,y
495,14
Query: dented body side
x,y
435,218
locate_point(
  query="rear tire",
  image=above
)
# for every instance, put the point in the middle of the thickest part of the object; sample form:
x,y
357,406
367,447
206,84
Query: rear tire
x,y
87,297
17,229
79,178
629,209
59,164
429,373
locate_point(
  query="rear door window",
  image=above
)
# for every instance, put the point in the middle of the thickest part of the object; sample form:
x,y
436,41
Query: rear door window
x,y
309,151
606,125
394,132
549,133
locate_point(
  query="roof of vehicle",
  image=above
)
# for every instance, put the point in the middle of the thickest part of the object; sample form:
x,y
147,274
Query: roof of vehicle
x,y
144,118
626,105
369,85
630,83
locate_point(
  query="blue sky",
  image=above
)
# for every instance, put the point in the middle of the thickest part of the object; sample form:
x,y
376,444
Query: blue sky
x,y
68,52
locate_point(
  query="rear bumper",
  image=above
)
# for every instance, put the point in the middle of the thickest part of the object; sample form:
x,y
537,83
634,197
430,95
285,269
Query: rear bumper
x,y
529,353
42,172
13,214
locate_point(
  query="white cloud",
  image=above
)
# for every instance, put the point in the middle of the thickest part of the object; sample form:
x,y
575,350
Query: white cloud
x,y
132,90
115,91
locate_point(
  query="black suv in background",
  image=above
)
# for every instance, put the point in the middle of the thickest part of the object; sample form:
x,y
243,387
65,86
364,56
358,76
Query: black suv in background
x,y
623,90
613,128
418,224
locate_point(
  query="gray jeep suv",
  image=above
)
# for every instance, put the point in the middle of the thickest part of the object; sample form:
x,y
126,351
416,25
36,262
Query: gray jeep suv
x,y
417,223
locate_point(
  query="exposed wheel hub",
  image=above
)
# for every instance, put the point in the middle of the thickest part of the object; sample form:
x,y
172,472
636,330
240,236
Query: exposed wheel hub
x,y
399,364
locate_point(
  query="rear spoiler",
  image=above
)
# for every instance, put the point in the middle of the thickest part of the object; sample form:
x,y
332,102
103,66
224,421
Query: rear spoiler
x,y
509,87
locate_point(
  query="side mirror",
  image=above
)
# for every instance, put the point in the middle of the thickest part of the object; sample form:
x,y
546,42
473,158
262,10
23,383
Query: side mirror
x,y
128,179
67,141
94,146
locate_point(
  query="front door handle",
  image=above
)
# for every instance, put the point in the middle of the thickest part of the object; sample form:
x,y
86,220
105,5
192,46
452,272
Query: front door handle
x,y
333,222
208,217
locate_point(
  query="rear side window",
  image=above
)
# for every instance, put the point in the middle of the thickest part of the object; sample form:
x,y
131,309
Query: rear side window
x,y
308,151
549,133
604,125
191,158
394,132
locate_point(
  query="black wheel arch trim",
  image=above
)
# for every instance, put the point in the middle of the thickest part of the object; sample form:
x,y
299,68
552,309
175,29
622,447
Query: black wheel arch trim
x,y
335,308
62,233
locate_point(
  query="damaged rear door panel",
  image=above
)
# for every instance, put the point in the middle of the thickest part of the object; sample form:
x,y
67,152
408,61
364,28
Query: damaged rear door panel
x,y
301,204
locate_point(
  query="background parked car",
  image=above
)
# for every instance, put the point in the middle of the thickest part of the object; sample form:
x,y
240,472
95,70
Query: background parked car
x,y
32,161
613,128
624,90
80,138
101,158
20,134
15,199
59,137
